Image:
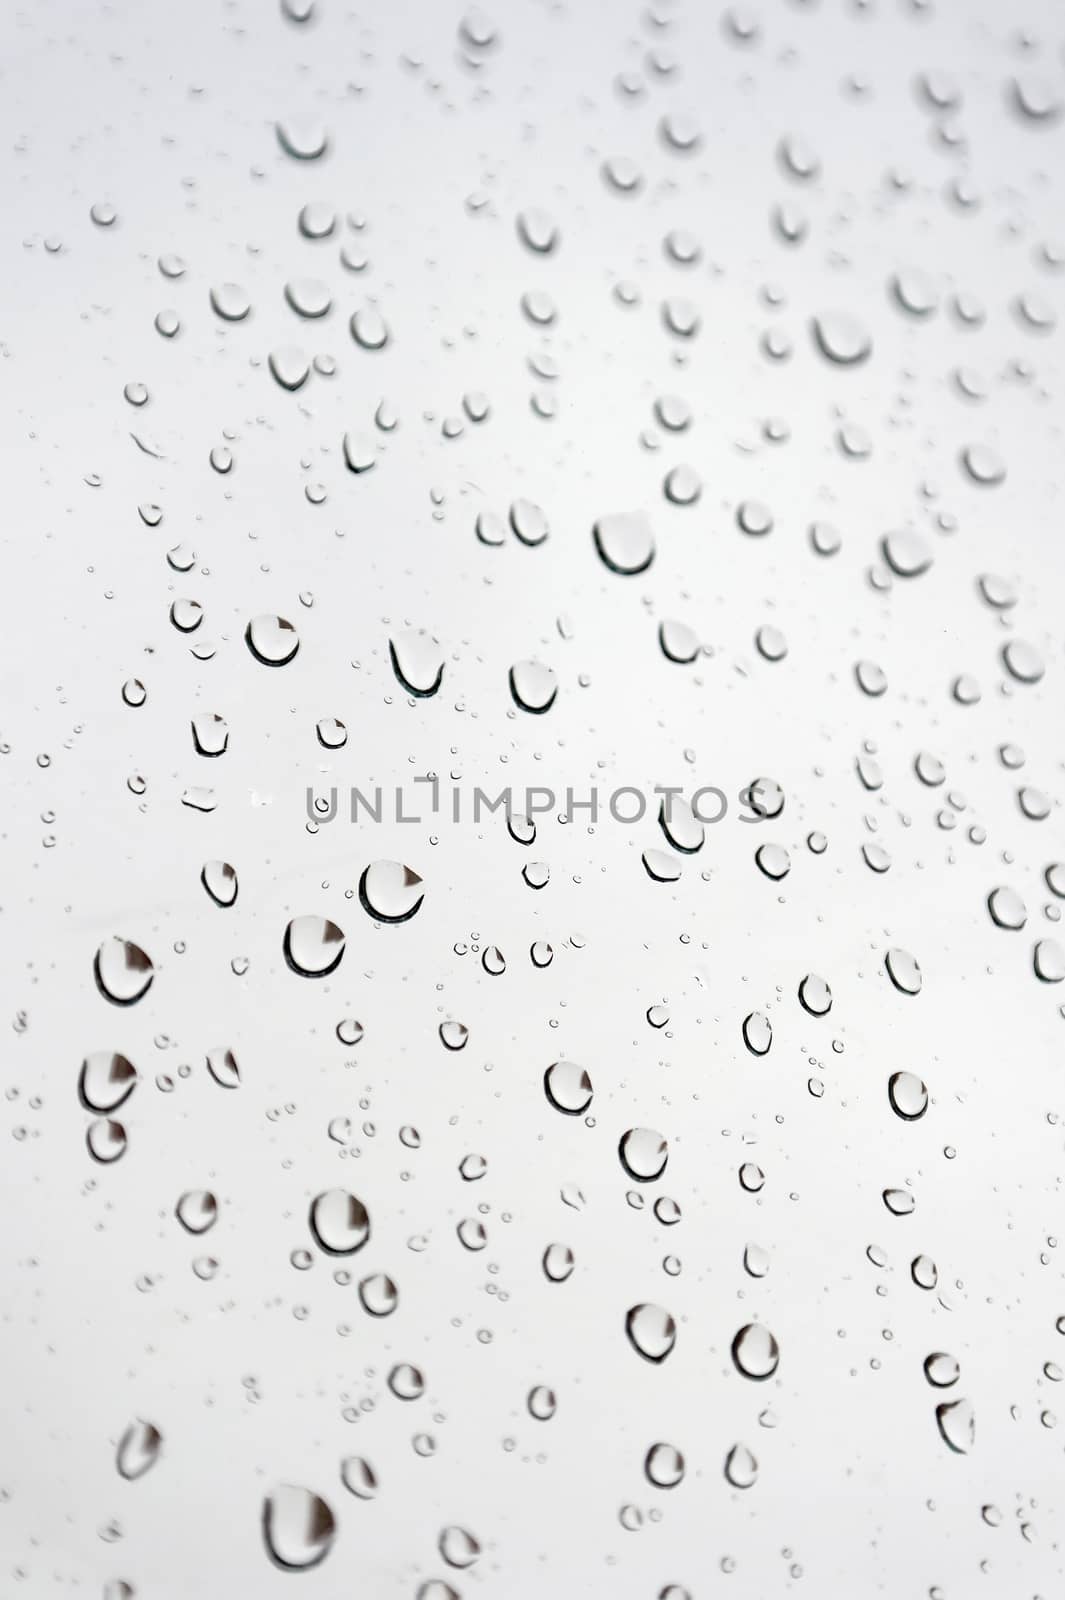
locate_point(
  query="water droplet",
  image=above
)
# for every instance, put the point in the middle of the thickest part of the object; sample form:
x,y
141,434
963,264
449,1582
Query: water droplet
x,y
651,1330
741,1468
358,1477
903,971
957,1425
271,640
417,661
390,891
841,338
664,1466
298,1528
568,1087
138,1450
533,686
124,972
106,1081
197,1210
339,1222
643,1154
815,995
230,302
941,1370
625,541
313,946
908,1096
755,1352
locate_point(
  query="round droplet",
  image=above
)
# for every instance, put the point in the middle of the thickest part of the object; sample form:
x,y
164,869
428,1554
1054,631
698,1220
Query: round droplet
x,y
625,542
298,1528
1022,661
390,891
644,1154
106,1140
454,1035
369,328
664,1466
106,1081
908,554
773,860
313,946
538,231
271,640
568,1087
197,1210
841,338
378,1295
230,302
755,1352
908,1096
941,1370
1007,908
339,1222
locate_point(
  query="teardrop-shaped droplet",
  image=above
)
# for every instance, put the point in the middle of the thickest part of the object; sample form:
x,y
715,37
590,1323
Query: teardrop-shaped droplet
x,y
230,302
339,1222
289,367
741,1468
542,1403
298,1527
124,972
458,1547
313,946
390,891
537,231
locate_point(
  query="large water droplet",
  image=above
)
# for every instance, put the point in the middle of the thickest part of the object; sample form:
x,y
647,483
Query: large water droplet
x,y
755,1352
417,661
339,1222
568,1087
138,1449
313,946
625,541
298,1527
390,891
124,972
652,1331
